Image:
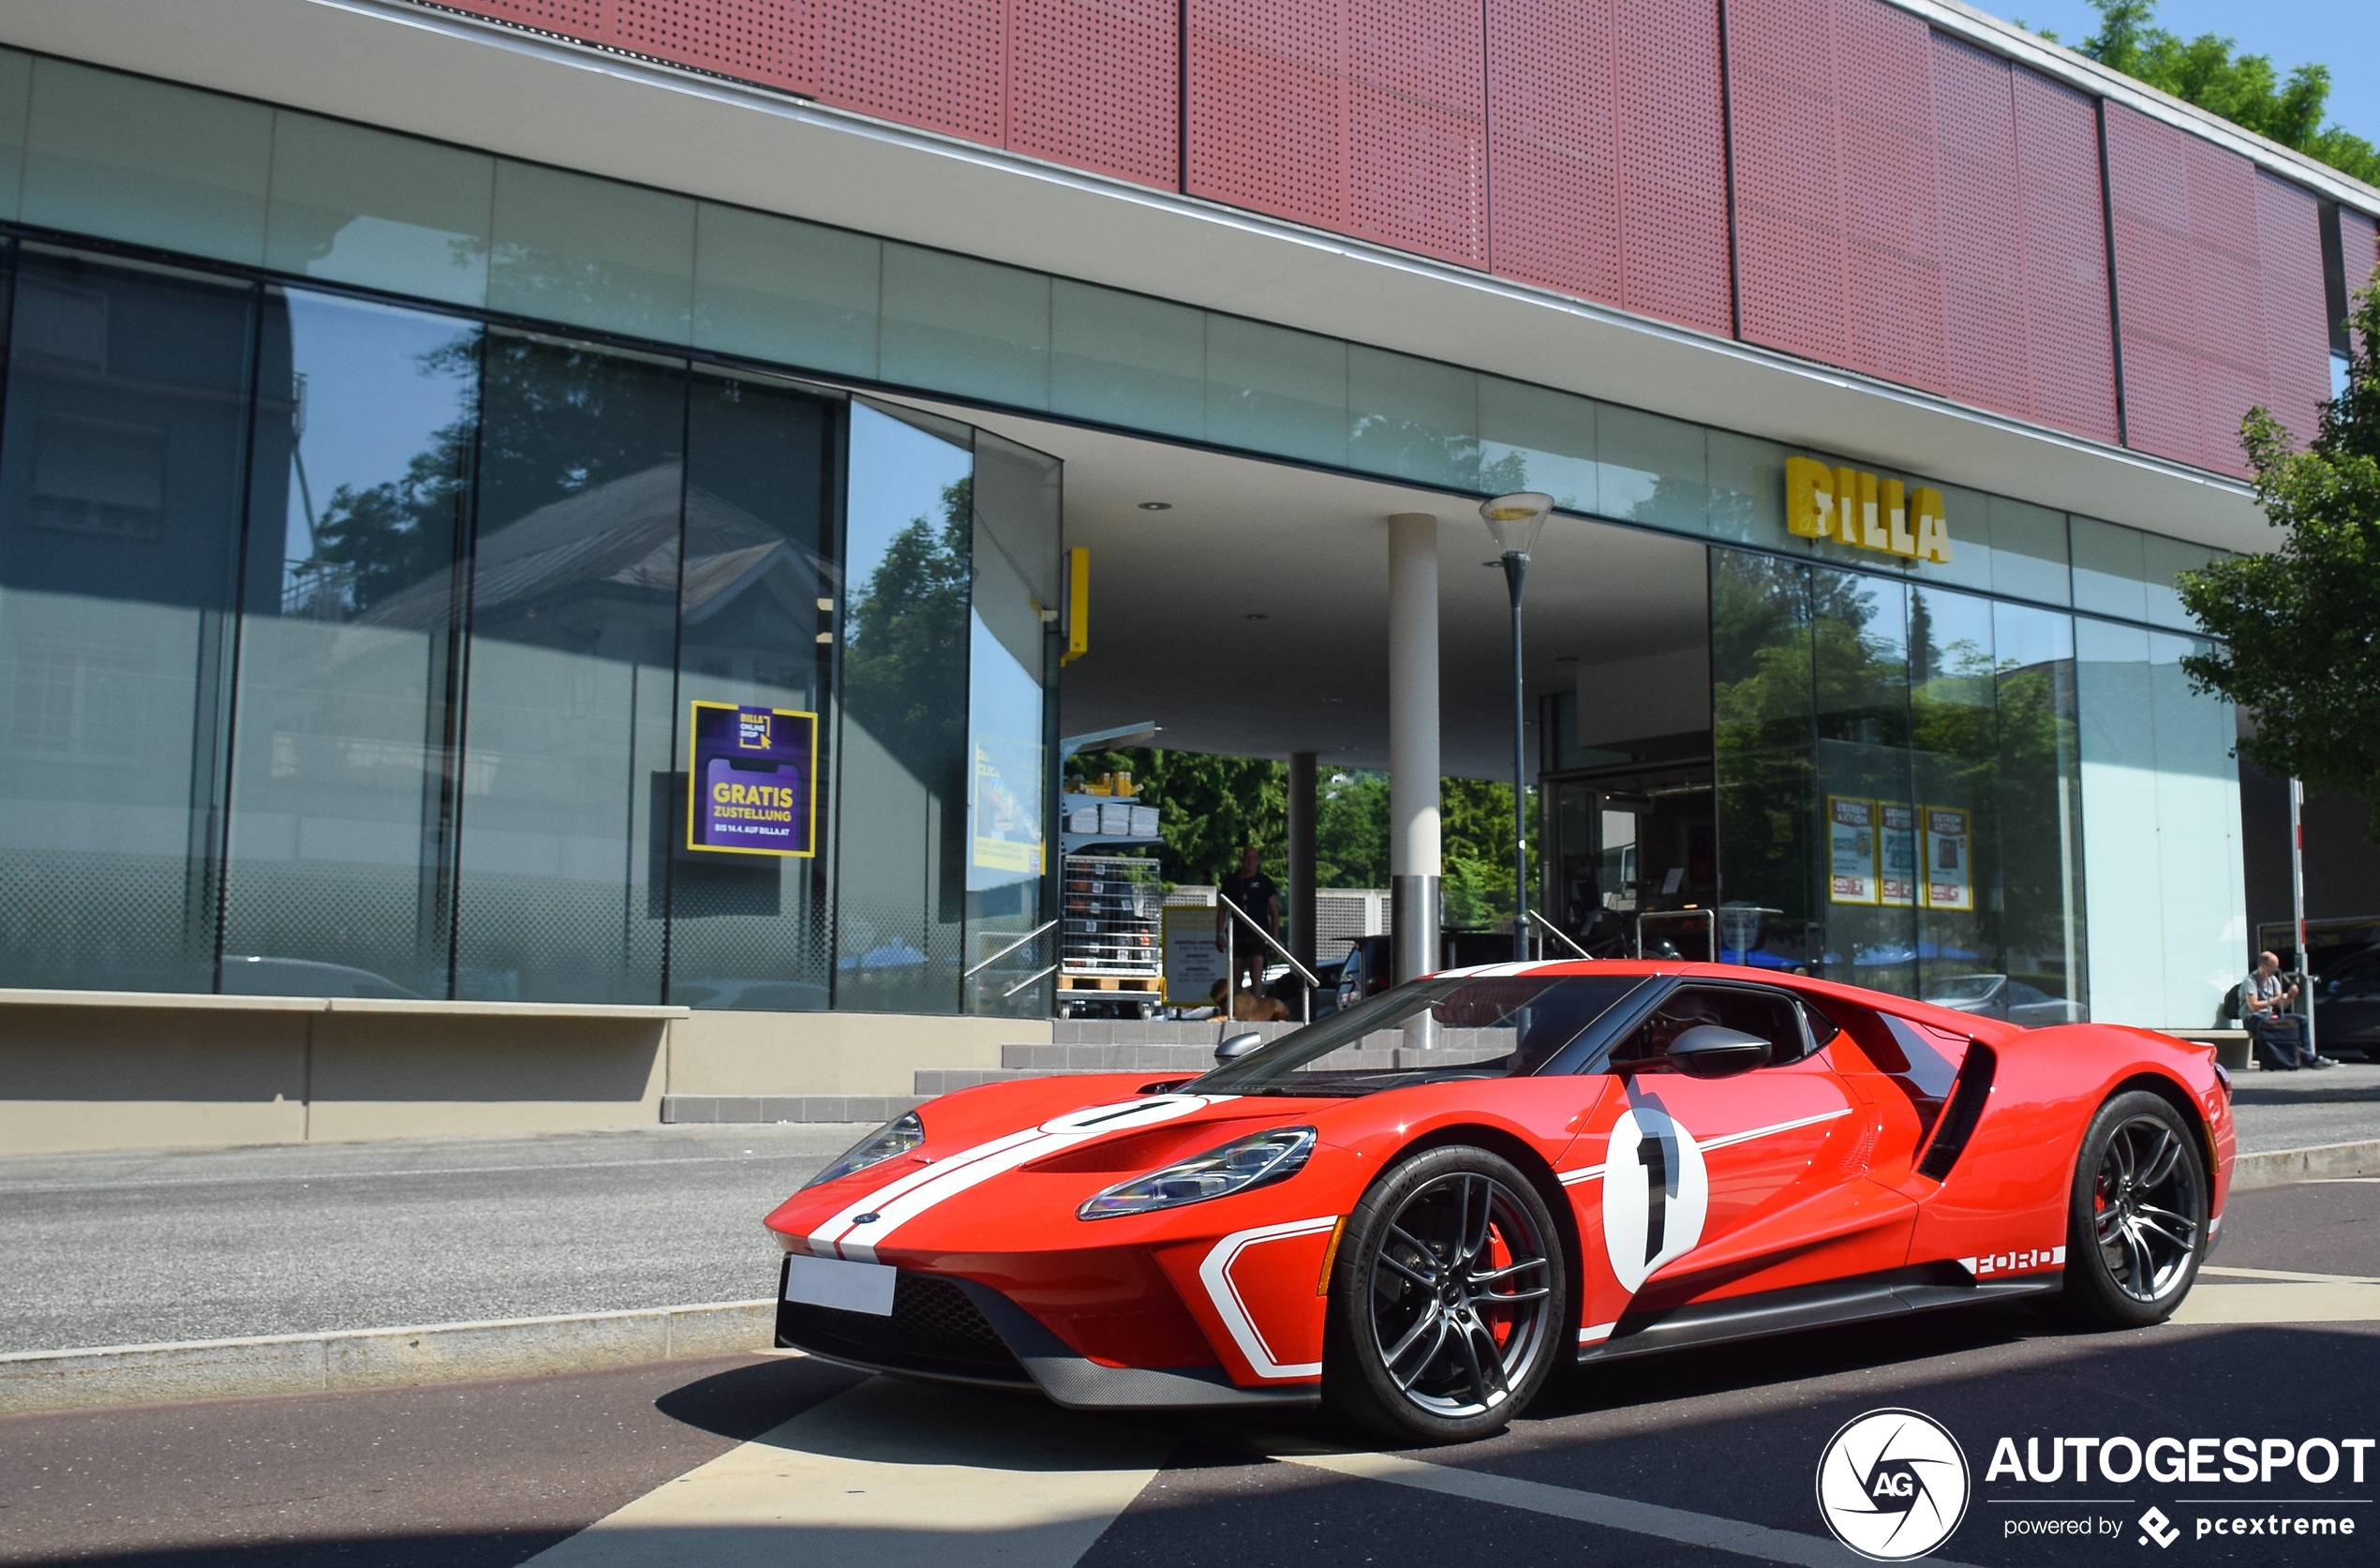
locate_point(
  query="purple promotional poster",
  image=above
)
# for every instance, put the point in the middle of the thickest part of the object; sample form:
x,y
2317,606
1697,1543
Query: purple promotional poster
x,y
754,780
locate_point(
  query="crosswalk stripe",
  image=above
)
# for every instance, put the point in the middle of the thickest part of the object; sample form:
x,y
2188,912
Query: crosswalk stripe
x,y
888,1474
1595,1508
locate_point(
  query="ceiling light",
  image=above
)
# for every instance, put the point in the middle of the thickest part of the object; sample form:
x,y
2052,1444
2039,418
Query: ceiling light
x,y
1259,616
1156,506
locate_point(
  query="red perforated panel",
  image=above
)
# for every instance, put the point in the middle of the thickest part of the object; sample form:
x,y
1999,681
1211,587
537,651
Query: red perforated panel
x,y
1265,125
1985,325
1416,126
1786,129
768,41
2297,317
1673,159
1553,122
2227,296
2148,189
1892,197
940,64
577,19
1097,84
2070,351
2360,252
2359,247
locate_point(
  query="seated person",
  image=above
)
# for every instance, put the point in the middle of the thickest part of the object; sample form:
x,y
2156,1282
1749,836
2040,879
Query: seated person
x,y
2278,1034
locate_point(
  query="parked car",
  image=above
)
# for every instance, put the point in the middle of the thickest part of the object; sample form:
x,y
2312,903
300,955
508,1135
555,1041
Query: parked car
x,y
1415,1211
2346,1004
1998,997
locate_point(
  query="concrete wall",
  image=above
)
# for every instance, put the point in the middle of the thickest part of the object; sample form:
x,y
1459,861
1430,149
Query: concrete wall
x,y
113,1071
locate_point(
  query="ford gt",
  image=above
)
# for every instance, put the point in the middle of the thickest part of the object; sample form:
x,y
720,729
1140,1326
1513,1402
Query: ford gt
x,y
1414,1210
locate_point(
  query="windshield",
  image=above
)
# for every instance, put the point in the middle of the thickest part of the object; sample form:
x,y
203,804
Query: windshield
x,y
1428,1031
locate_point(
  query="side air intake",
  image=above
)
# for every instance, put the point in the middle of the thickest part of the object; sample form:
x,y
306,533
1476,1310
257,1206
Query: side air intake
x,y
1966,1108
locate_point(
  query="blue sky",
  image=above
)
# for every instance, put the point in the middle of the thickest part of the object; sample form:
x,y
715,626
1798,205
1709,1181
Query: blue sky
x,y
2344,35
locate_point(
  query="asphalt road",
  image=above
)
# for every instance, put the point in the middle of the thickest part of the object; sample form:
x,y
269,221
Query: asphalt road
x,y
119,1249
784,1460
144,1247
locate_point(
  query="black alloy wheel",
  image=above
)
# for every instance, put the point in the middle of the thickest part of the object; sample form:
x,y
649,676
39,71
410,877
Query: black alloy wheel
x,y
2137,1225
1447,1299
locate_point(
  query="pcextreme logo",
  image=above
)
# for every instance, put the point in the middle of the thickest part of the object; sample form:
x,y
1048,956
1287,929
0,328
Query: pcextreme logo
x,y
1856,508
1892,1484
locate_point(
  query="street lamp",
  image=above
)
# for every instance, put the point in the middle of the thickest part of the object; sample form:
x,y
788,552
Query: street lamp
x,y
1515,521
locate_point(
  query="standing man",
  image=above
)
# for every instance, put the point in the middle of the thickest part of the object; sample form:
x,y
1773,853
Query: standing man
x,y
2278,1034
1260,901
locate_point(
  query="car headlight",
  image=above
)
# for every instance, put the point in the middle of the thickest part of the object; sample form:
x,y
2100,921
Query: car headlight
x,y
890,1141
1236,1167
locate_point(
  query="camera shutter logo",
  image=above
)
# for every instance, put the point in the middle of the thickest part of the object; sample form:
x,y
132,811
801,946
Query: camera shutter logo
x,y
1892,1484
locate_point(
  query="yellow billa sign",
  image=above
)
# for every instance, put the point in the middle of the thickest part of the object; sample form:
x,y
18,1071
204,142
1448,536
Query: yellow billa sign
x,y
1856,508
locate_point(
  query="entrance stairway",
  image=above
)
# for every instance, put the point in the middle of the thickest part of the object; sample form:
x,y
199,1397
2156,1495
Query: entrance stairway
x,y
1156,1046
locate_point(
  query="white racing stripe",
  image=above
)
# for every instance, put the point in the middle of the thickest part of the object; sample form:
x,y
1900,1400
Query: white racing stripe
x,y
1728,1139
859,1228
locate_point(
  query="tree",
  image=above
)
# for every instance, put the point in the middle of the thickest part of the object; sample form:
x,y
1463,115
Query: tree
x,y
905,659
2299,629
2244,89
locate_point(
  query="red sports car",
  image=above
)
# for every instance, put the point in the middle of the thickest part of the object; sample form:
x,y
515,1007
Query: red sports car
x,y
1414,1208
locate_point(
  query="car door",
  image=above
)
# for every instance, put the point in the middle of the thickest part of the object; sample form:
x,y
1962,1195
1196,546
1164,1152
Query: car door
x,y
1711,1187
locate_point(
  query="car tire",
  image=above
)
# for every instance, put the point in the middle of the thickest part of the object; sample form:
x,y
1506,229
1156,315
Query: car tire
x,y
1417,1348
2136,1215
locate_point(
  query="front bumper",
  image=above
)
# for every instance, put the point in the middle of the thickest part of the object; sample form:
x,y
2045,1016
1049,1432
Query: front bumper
x,y
954,1330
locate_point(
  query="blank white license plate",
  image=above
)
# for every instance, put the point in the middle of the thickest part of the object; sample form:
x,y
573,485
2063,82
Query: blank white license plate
x,y
854,1286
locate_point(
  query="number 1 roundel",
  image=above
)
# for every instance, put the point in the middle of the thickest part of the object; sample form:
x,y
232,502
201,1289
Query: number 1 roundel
x,y
1656,1192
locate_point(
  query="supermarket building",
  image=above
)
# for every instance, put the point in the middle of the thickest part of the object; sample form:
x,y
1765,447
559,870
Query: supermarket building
x,y
534,534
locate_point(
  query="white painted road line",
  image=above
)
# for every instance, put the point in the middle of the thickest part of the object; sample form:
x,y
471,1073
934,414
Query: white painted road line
x,y
1594,1508
889,1475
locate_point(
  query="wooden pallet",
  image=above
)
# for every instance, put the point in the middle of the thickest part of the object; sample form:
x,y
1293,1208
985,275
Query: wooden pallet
x,y
1149,985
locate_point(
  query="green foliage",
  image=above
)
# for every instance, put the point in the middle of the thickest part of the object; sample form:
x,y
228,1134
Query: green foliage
x,y
2245,89
1216,805
2300,628
1351,830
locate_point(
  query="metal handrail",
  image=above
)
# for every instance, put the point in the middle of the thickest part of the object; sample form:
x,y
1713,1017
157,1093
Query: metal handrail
x,y
1231,957
1030,979
1266,937
1560,935
1033,935
1709,917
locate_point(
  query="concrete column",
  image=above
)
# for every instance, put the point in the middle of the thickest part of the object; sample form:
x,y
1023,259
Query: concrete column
x,y
1301,857
1413,742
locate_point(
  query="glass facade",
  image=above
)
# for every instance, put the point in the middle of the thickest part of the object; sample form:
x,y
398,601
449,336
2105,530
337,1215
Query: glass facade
x,y
352,645
1899,772
358,650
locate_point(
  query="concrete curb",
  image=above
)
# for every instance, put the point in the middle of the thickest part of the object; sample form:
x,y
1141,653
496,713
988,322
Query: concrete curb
x,y
378,1357
2280,1167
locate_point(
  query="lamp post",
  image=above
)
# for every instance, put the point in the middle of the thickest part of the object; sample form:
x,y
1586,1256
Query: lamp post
x,y
1515,521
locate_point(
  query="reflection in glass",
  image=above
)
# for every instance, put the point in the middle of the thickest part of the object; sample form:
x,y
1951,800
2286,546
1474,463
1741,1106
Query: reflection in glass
x,y
121,469
337,880
2038,779
902,827
1016,494
1861,693
1761,634
748,932
1955,745
574,609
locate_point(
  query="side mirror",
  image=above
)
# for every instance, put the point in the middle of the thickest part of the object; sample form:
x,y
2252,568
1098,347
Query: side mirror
x,y
1237,1047
1709,1051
